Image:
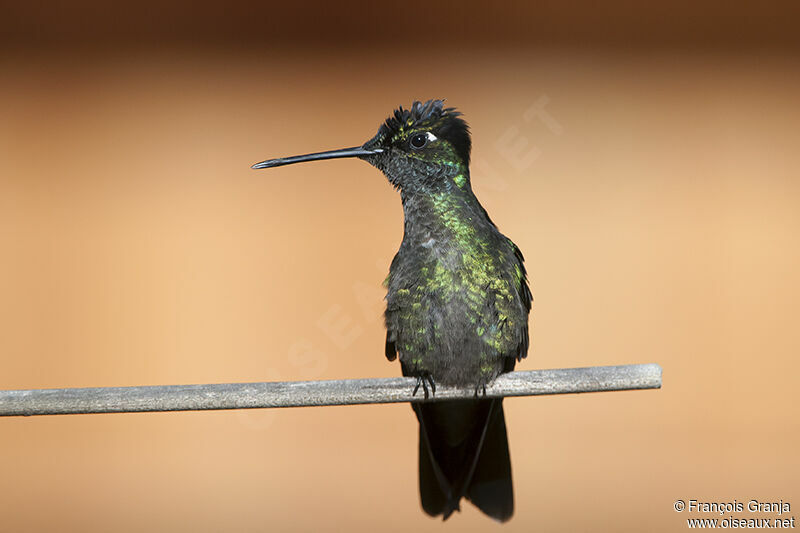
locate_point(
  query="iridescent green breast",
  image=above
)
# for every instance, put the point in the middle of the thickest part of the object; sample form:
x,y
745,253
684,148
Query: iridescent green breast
x,y
454,305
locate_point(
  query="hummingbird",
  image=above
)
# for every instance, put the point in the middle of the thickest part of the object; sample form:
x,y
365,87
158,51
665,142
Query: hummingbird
x,y
457,304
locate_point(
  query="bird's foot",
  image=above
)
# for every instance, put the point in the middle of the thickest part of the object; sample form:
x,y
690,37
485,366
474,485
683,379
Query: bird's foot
x,y
480,387
425,379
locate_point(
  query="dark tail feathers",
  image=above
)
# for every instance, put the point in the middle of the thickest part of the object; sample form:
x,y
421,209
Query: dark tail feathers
x,y
463,453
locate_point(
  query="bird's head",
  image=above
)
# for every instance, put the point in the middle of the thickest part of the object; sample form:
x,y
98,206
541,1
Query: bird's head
x,y
422,149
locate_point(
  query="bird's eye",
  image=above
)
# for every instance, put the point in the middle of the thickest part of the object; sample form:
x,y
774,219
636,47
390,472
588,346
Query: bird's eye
x,y
419,140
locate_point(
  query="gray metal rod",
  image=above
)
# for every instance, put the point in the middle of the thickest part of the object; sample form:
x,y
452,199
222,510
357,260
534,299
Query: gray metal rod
x,y
316,393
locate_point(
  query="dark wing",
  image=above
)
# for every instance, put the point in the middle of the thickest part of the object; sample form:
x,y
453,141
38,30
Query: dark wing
x,y
391,349
524,292
391,338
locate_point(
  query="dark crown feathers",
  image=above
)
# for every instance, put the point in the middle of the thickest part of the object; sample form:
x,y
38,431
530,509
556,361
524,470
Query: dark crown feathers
x,y
446,122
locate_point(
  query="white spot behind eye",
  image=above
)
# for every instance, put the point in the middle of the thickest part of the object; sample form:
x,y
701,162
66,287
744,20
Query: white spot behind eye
x,y
431,136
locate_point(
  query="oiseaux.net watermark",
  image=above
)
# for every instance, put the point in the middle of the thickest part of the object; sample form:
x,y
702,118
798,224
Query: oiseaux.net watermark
x,y
747,514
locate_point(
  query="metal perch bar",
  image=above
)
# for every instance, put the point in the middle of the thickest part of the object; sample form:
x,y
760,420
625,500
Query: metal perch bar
x,y
316,393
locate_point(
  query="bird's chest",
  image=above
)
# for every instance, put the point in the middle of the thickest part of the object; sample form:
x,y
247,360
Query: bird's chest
x,y
438,286
446,312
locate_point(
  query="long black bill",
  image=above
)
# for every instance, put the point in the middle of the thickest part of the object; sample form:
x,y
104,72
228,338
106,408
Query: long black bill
x,y
331,154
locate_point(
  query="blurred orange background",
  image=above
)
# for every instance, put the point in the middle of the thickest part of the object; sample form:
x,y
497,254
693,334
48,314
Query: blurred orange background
x,y
644,158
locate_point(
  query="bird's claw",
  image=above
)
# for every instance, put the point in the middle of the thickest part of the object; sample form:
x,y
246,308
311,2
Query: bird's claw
x,y
425,380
